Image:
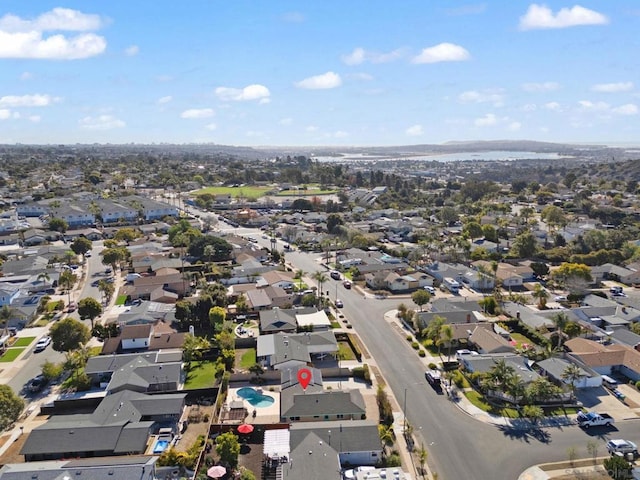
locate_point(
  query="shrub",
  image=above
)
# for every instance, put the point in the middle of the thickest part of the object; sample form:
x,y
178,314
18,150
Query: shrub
x,y
422,353
362,373
432,366
409,338
638,384
415,345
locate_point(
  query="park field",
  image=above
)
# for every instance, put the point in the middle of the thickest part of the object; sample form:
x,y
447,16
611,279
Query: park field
x,y
235,192
310,192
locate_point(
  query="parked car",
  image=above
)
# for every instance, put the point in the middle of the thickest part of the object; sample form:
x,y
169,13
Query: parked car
x,y
72,307
622,446
351,474
339,303
346,284
431,290
593,419
37,383
560,298
43,343
435,379
335,274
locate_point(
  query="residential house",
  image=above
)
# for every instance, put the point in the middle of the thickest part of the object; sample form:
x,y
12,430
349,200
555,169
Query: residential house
x,y
139,467
144,337
146,312
484,363
554,368
279,351
74,214
120,425
488,341
278,320
313,403
606,359
114,212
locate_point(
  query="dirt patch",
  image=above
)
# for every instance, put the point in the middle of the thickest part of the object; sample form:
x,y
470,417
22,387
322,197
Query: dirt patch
x,y
12,455
196,425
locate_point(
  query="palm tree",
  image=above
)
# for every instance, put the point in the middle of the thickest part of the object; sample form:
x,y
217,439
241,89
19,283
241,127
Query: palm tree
x,y
560,320
446,337
498,376
321,278
43,277
6,312
541,295
516,387
299,274
67,282
571,374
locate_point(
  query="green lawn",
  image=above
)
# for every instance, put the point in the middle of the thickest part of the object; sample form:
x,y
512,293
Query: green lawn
x,y
478,400
121,299
235,192
248,358
521,339
11,354
23,342
345,352
201,375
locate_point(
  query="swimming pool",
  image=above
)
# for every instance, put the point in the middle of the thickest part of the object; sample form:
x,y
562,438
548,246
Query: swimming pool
x,y
160,446
256,399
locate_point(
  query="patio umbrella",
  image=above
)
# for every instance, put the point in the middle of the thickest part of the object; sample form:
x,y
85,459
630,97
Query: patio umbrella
x,y
217,471
245,428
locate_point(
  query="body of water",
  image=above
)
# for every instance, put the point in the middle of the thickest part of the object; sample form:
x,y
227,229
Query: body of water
x,y
449,157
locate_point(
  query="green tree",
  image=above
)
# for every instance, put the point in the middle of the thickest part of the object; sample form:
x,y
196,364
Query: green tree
x,y
533,413
541,295
446,337
217,316
67,281
618,468
113,256
127,234
333,221
524,245
572,374
499,375
58,225
573,276
193,348
81,245
228,449
69,334
422,458
432,332
560,320
11,406
51,370
246,474
420,297
106,289
89,308
6,312
321,278
554,217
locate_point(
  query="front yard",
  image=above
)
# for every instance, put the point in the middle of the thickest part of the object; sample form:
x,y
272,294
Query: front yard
x,y
11,354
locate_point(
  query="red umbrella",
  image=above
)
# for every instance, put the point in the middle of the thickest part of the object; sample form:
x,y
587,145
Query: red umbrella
x,y
245,428
216,471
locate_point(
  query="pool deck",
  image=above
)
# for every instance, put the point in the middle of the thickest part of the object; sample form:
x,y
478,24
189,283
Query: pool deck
x,y
270,414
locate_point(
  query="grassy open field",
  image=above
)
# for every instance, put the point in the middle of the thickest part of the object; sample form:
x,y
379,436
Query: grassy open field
x,y
310,192
235,192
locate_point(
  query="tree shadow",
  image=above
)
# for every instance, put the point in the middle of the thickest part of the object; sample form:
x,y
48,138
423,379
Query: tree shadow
x,y
526,434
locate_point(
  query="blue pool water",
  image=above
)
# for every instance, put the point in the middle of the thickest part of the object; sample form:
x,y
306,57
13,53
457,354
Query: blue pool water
x,y
160,446
254,398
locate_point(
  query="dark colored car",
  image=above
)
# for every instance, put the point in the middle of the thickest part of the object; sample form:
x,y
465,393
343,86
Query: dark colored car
x,y
37,383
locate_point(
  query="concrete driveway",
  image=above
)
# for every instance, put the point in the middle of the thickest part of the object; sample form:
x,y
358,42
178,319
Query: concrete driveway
x,y
601,400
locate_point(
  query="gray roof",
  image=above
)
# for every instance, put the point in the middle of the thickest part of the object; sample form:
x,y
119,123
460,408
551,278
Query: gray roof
x,y
556,367
143,374
351,436
116,425
312,459
528,316
111,363
101,468
625,336
484,363
278,319
320,403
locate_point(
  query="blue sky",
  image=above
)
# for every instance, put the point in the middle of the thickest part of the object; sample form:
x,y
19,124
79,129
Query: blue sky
x,y
360,72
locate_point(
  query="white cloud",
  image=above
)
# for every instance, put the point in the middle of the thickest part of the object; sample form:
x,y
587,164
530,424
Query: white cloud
x,y
587,105
251,92
443,52
132,50
36,100
627,109
486,96
56,47
540,87
197,113
21,38
340,134
101,122
164,100
514,126
286,121
541,17
211,126
311,128
320,82
487,121
529,107
26,76
56,19
553,106
360,55
415,131
5,113
35,118
613,87
354,58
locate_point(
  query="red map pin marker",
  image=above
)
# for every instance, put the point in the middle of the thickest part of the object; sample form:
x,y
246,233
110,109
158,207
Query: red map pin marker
x,y
304,377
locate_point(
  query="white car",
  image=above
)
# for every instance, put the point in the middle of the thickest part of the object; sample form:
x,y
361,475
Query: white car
x,y
339,303
42,344
431,290
560,298
622,446
350,474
